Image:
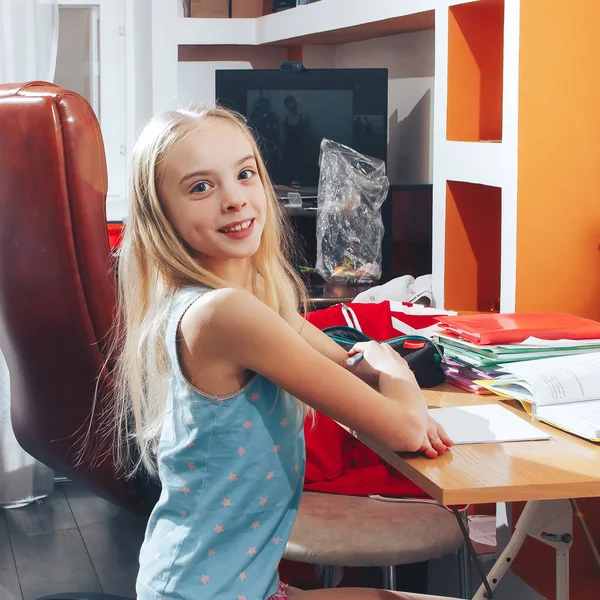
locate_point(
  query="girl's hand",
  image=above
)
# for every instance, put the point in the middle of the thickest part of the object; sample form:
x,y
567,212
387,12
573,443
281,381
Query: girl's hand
x,y
364,370
436,440
394,377
378,358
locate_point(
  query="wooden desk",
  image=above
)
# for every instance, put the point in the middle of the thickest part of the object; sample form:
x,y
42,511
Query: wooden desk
x,y
563,467
544,473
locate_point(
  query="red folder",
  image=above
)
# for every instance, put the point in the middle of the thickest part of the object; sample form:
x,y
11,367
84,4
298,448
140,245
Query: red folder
x,y
508,328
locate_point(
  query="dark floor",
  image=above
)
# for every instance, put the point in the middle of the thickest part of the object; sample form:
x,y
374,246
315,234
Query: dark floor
x,y
71,542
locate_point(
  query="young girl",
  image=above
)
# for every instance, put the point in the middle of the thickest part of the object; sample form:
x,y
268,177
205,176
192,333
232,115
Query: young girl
x,y
213,357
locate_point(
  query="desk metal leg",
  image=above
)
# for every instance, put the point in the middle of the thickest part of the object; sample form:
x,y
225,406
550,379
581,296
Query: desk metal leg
x,y
549,521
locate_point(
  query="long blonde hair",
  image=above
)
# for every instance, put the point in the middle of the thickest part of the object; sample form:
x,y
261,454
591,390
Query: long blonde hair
x,y
154,263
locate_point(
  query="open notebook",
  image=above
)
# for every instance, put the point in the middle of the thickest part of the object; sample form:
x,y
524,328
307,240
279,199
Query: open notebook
x,y
562,391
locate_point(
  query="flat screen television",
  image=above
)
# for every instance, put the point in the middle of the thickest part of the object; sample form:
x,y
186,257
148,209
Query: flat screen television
x,y
291,112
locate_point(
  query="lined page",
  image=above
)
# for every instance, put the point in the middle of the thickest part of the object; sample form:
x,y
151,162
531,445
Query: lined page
x,y
558,380
582,418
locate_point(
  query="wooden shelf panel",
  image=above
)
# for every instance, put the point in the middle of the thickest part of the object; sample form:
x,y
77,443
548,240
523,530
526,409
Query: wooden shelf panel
x,y
473,242
405,24
341,21
328,22
216,32
475,162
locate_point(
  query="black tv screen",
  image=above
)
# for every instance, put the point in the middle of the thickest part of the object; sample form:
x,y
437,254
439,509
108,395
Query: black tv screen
x,y
291,112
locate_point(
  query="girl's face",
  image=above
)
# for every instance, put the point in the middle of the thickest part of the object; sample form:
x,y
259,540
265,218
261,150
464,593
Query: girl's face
x,y
212,193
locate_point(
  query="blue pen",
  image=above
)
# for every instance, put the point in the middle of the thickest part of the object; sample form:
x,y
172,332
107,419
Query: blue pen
x,y
354,360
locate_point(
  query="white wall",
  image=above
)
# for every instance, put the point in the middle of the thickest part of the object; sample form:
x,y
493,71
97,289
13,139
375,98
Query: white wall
x,y
139,66
197,66
409,58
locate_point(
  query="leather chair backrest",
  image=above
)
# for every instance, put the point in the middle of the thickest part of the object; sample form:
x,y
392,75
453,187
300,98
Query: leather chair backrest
x,y
57,287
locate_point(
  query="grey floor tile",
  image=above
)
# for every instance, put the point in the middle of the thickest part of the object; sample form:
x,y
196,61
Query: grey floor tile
x,y
88,508
112,537
49,563
51,514
9,581
114,547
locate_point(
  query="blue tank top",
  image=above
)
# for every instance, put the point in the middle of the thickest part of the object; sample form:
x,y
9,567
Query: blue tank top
x,y
231,470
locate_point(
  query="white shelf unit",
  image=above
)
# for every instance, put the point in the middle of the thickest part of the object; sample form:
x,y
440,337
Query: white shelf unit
x,y
337,22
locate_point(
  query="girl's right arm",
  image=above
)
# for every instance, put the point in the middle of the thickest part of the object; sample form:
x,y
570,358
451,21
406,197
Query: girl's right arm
x,y
232,325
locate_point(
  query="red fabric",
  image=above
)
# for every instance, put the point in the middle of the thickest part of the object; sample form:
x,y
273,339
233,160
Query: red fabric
x,y
375,319
336,462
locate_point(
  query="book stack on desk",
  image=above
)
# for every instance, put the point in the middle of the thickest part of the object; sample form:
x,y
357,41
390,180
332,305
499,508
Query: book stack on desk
x,y
556,376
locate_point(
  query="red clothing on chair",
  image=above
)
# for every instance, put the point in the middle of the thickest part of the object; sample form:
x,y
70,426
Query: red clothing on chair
x,y
336,461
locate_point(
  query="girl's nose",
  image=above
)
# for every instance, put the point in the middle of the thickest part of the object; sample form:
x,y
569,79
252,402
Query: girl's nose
x,y
233,199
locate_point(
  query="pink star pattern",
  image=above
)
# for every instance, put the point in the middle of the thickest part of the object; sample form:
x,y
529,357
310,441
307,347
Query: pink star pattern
x,y
255,396
255,525
190,444
205,579
270,475
191,466
183,513
191,420
232,476
296,467
242,576
219,529
283,422
277,448
241,451
186,490
242,597
212,552
263,501
226,502
247,424
276,540
252,551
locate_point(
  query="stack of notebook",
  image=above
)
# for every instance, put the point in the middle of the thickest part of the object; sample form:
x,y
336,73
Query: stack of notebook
x,y
550,362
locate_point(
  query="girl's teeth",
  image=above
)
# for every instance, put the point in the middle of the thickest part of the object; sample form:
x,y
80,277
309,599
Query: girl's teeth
x,y
239,227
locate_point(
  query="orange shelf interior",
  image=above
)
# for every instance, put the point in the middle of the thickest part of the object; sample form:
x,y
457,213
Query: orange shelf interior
x,y
472,257
475,63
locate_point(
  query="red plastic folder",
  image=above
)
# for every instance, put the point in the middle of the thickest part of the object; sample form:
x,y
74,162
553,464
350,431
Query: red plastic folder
x,y
508,328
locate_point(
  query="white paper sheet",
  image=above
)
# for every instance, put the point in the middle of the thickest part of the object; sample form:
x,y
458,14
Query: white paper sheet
x,y
484,424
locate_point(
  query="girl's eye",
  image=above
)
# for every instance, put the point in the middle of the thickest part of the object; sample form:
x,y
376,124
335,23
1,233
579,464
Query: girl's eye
x,y
201,187
246,174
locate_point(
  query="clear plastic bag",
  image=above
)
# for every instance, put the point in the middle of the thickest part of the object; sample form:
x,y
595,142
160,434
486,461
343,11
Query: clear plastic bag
x,y
352,188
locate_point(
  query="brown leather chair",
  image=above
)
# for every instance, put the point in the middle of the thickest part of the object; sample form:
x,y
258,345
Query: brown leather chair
x,y
57,288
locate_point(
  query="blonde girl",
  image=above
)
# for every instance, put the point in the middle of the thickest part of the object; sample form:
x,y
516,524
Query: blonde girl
x,y
217,368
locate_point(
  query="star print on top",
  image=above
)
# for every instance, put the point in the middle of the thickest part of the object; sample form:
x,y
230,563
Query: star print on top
x,y
231,471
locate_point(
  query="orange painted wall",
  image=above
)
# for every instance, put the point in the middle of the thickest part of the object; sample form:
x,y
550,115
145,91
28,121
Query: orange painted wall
x,y
558,236
472,255
475,46
294,53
